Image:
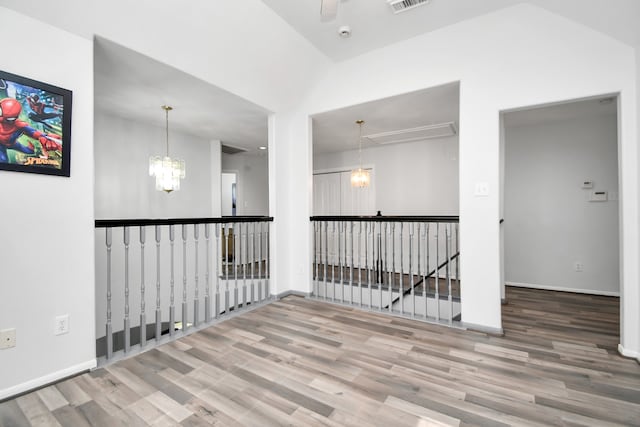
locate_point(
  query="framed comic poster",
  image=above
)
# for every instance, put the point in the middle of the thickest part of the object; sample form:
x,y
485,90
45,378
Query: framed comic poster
x,y
35,126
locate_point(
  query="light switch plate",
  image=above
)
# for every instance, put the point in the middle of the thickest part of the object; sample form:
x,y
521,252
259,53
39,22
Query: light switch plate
x,y
599,196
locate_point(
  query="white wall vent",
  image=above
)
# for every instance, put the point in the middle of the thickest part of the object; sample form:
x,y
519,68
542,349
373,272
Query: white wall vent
x,y
404,5
230,149
440,130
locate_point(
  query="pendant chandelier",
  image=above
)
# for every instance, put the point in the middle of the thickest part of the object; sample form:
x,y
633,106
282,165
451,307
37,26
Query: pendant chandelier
x,y
168,171
360,177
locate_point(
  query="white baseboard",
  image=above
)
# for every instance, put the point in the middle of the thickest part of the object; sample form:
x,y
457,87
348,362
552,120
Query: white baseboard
x,y
563,289
482,328
295,293
47,379
628,353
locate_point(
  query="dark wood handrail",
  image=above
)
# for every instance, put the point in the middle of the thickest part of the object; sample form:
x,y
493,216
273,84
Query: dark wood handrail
x,y
105,223
389,218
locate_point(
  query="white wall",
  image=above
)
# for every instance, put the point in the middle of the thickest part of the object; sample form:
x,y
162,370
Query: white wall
x,y
216,167
550,224
416,178
124,188
46,254
512,58
253,181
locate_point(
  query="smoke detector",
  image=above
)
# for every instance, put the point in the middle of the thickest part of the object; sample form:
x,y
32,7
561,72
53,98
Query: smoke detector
x,y
404,5
344,31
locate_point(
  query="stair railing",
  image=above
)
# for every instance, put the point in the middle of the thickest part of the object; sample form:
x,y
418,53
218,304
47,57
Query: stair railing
x,y
234,265
401,265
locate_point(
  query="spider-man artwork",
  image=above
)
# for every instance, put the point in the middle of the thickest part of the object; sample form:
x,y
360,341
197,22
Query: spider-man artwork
x,y
32,126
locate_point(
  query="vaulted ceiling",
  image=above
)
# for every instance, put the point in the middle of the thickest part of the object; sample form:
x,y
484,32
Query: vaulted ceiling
x,y
211,112
374,25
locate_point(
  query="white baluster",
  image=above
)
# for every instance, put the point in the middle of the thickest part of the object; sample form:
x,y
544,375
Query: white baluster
x,y
172,282
109,330
158,312
207,296
196,295
143,314
127,323
185,317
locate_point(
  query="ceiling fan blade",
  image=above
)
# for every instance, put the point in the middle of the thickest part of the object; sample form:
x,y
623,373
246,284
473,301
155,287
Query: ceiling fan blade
x,y
328,8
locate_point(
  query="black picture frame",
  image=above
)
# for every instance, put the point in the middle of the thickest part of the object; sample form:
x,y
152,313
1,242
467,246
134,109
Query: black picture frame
x,y
35,126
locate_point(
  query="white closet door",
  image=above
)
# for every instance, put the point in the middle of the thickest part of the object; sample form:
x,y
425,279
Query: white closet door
x,y
357,201
326,194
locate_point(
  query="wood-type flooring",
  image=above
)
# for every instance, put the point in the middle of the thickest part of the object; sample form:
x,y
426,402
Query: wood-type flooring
x,y
303,362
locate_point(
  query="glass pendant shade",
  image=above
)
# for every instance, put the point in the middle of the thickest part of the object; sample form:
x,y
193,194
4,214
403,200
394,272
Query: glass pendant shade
x,y
168,171
360,178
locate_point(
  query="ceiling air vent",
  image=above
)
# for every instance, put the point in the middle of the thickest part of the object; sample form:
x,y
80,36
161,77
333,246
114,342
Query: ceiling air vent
x,y
229,149
404,5
441,130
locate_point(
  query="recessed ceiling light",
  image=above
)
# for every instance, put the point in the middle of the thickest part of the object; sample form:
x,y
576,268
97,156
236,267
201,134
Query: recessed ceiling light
x,y
344,31
262,147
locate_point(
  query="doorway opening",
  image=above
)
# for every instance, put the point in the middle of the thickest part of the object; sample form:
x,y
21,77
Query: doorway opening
x,y
228,193
559,198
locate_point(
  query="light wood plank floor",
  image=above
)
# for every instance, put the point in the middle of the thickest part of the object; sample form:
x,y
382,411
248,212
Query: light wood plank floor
x,y
301,362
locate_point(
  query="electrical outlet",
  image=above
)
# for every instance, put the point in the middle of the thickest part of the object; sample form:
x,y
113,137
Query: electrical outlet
x,y
7,338
579,267
61,325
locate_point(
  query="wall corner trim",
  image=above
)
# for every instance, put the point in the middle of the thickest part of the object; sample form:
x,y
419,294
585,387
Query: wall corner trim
x,y
47,379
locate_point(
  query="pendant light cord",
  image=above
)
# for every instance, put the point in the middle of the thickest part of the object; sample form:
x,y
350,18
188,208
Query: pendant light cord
x,y
166,109
360,123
